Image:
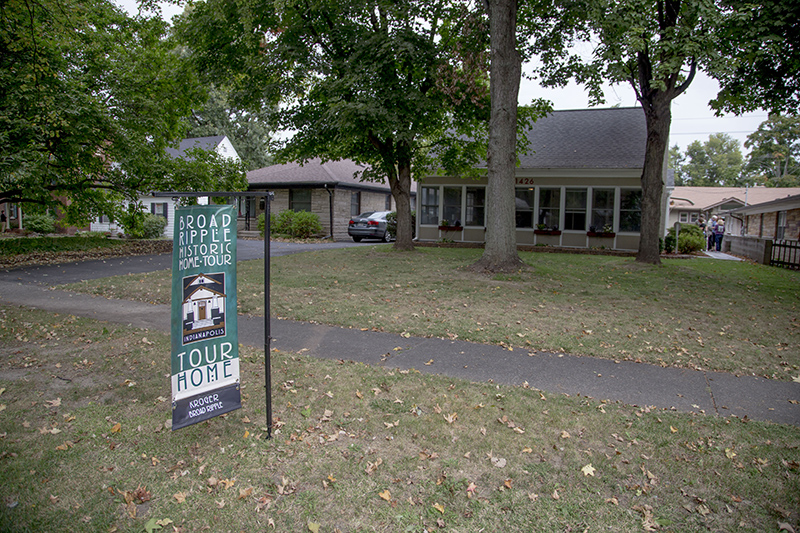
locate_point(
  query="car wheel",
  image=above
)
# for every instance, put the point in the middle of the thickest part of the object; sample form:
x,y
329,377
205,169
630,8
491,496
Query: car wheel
x,y
356,238
386,237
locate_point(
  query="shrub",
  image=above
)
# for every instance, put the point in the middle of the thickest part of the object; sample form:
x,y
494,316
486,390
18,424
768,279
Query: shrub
x,y
691,239
300,224
281,223
146,226
153,226
304,225
40,223
391,223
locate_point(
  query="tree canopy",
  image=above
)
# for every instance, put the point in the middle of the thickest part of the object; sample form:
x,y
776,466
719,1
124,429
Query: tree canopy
x,y
655,46
397,85
774,157
717,162
761,39
249,131
89,101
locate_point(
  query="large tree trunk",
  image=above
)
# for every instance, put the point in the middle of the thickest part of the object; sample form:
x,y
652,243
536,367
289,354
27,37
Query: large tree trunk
x,y
401,191
500,254
658,117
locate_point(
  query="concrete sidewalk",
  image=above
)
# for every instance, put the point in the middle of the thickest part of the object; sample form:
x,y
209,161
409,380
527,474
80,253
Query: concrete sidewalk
x,y
627,382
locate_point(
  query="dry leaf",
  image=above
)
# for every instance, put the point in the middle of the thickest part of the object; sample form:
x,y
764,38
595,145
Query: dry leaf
x,y
439,507
54,403
386,495
555,495
244,493
313,527
116,428
564,435
180,496
452,417
588,470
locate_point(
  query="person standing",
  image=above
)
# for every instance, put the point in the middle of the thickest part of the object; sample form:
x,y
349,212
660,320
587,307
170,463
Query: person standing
x,y
711,238
719,231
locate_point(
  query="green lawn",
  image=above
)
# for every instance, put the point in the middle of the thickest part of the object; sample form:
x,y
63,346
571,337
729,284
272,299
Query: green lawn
x,y
84,446
695,313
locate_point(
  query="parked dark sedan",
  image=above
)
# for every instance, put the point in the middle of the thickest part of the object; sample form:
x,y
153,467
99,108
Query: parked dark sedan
x,y
369,225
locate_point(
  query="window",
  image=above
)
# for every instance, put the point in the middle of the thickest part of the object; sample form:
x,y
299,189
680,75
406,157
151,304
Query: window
x,y
575,209
388,202
355,204
549,207
684,217
429,206
452,205
160,209
630,210
524,208
603,209
300,200
780,231
476,199
693,218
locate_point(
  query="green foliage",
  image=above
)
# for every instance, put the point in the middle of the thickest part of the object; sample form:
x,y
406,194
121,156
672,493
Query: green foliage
x,y
391,223
401,88
82,85
248,131
140,225
690,239
296,224
40,223
281,223
762,38
774,158
717,162
305,225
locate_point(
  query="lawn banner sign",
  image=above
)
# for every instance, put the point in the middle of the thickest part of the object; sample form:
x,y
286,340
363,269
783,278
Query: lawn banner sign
x,y
205,347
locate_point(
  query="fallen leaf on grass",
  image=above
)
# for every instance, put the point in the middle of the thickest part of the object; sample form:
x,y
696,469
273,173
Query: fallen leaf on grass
x,y
116,428
452,417
180,496
313,527
244,493
154,524
588,470
53,403
386,495
439,507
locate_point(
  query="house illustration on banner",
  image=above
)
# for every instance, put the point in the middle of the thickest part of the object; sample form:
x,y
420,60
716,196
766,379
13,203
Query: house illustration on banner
x,y
203,307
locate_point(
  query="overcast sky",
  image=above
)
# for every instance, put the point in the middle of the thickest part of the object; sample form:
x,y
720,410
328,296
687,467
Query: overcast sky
x,y
692,119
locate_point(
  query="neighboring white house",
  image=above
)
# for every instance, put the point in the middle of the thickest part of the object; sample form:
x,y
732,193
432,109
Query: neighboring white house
x,y
165,207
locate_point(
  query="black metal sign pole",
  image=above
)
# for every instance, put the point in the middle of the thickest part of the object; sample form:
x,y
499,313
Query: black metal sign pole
x,y
268,196
267,336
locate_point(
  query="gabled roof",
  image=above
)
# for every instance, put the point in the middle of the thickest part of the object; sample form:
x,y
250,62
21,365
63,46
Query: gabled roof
x,y
208,144
708,198
781,204
612,138
315,173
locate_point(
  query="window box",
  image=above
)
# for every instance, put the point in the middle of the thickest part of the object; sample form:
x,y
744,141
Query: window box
x,y
451,228
600,234
547,232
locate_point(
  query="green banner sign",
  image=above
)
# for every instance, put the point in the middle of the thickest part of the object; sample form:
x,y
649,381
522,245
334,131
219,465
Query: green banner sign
x,y
205,347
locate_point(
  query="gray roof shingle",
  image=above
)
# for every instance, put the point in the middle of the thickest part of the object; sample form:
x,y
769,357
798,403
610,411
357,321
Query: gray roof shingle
x,y
588,138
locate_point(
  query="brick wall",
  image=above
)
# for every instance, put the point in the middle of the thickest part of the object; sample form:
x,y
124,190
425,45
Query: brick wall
x,y
320,205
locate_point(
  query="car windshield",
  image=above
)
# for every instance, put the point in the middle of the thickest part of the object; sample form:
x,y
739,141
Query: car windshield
x,y
366,215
